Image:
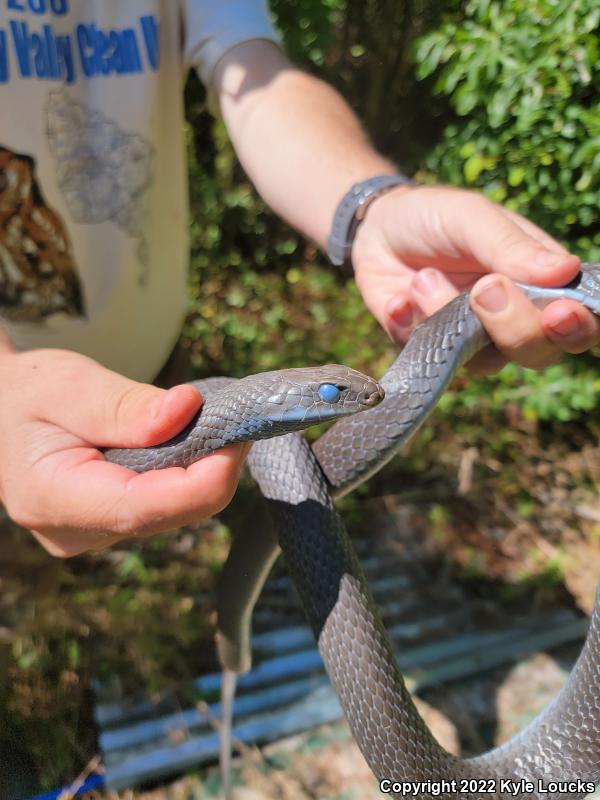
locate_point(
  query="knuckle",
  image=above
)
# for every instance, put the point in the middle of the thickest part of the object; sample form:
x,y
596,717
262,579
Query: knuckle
x,y
127,523
123,418
523,339
511,244
521,346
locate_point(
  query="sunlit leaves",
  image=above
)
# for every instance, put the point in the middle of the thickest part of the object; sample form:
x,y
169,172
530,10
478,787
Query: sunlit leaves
x,y
524,79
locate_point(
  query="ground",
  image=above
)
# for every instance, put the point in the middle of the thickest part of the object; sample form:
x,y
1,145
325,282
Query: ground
x,y
513,518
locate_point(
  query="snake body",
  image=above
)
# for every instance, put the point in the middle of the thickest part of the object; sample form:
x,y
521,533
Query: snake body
x,y
559,747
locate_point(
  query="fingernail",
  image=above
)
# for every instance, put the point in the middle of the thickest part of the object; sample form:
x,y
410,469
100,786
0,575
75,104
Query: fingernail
x,y
402,314
427,281
492,297
546,258
567,326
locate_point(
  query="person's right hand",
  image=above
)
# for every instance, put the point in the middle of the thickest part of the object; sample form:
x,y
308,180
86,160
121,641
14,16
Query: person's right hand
x,y
56,409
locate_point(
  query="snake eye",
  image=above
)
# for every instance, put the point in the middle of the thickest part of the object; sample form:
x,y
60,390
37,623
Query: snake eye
x,y
329,393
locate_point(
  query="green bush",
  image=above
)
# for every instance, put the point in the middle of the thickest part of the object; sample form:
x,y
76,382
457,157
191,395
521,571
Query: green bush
x,y
524,79
308,27
562,393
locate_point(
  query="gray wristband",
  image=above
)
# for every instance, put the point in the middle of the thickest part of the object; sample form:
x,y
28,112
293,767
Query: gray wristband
x,y
351,211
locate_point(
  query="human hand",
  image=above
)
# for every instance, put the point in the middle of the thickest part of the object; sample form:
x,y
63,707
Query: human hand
x,y
57,408
418,247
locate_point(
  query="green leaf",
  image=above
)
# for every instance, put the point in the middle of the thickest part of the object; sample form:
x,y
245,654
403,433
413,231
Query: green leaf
x,y
516,176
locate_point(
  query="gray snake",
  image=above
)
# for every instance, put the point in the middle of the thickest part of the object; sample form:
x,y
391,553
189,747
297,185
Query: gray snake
x,y
299,482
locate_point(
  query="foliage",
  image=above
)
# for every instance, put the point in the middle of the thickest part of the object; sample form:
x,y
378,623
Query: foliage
x,y
308,27
364,48
524,78
562,393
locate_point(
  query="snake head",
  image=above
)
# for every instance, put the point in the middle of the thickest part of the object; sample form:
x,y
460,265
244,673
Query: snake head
x,y
258,407
293,399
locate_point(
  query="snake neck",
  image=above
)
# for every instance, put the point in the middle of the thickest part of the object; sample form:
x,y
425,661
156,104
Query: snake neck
x,y
355,448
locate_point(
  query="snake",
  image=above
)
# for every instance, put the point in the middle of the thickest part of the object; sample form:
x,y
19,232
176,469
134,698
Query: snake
x,y
558,753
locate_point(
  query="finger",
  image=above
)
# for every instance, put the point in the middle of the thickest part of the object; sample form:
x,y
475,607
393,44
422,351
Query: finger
x,y
570,326
384,283
68,544
111,410
533,230
163,499
513,323
431,289
400,316
464,280
498,243
488,361
88,498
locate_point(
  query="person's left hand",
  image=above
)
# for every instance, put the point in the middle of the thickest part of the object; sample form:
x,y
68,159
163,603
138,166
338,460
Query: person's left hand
x,y
418,247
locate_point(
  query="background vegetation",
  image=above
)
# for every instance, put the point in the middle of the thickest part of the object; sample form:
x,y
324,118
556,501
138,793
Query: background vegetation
x,y
498,95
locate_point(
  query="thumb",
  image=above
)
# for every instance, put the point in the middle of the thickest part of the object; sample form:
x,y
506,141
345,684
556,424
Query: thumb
x,y
105,408
505,242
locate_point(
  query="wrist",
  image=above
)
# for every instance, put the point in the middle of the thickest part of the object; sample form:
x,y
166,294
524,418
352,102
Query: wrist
x,y
376,238
383,207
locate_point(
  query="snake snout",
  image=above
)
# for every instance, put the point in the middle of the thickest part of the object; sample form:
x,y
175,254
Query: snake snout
x,y
371,395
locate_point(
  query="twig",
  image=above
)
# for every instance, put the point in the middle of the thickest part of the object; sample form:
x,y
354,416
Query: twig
x,y
244,750
465,469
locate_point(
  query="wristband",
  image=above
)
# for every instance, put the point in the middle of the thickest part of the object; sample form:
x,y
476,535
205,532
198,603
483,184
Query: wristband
x,y
351,211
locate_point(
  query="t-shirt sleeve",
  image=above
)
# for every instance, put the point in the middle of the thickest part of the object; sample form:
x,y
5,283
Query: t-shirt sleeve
x,y
212,27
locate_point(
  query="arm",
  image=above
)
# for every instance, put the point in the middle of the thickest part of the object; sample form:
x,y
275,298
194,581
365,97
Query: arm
x,y
299,141
303,147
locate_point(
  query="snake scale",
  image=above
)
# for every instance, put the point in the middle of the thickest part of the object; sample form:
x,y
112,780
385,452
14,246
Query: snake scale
x,y
560,746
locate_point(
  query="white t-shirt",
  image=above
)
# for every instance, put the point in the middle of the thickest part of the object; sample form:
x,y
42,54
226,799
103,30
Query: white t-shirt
x,y
93,192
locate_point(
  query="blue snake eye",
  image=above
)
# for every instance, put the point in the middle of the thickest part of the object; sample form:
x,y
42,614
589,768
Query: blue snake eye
x,y
329,393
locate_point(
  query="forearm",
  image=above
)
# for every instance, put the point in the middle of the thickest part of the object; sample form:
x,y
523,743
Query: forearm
x,y
298,140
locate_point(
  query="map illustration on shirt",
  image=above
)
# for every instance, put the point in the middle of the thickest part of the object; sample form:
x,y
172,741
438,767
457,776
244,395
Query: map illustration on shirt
x,y
102,171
